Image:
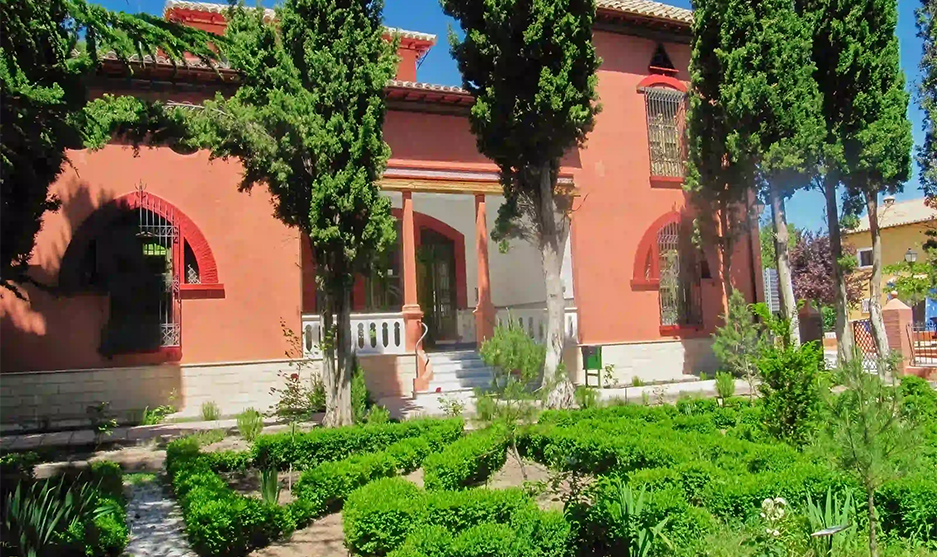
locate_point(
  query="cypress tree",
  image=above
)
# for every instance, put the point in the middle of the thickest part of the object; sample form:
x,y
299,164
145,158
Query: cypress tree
x,y
927,156
753,72
532,68
307,123
868,139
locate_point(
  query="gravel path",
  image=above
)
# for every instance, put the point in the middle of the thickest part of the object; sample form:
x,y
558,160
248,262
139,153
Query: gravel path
x,y
155,521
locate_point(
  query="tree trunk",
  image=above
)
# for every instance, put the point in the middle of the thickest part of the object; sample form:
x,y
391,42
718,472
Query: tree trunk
x,y
728,247
552,241
337,358
782,259
845,339
875,282
873,523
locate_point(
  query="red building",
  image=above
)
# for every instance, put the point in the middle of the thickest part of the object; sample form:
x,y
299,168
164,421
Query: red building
x,y
172,280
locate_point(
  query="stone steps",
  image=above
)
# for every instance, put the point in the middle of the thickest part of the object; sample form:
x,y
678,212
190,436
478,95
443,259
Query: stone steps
x,y
459,371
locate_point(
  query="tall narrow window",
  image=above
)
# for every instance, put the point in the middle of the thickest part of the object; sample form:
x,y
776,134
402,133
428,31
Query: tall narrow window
x,y
680,302
665,124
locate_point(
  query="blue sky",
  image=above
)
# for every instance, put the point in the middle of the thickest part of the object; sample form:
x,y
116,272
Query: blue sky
x,y
805,209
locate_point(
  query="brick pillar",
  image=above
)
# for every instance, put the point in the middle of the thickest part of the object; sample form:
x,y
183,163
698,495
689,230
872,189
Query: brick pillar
x,y
412,314
898,317
484,309
811,323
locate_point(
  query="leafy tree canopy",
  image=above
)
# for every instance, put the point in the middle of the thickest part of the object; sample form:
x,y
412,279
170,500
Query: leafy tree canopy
x,y
531,67
812,270
48,50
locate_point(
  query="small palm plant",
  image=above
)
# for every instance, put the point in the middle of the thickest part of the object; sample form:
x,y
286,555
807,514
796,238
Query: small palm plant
x,y
625,507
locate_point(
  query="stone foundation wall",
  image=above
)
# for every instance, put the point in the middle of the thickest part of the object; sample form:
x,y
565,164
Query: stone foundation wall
x,y
61,398
661,361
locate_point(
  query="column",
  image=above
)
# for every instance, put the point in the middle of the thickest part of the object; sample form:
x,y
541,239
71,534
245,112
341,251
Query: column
x,y
412,314
898,317
484,310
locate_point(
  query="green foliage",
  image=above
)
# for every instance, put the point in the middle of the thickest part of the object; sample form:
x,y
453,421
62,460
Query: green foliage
x,y
57,516
531,68
218,520
738,343
835,510
269,486
295,401
625,508
360,397
913,281
790,390
725,384
45,105
468,461
156,415
908,507
379,517
18,466
250,424
766,237
228,461
876,442
210,411
586,397
312,448
307,122
513,352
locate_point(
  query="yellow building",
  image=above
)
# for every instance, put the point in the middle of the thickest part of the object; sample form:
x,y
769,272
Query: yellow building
x,y
903,226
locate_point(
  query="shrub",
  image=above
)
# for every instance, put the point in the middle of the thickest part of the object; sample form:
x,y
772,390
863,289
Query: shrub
x,y
378,517
467,461
725,385
326,486
218,520
790,391
513,351
360,397
227,461
377,415
307,450
108,478
586,397
156,415
17,466
381,515
908,507
250,424
210,411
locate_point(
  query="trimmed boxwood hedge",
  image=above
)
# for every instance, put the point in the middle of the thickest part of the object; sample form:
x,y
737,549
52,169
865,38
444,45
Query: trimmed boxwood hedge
x,y
309,449
220,521
468,461
394,514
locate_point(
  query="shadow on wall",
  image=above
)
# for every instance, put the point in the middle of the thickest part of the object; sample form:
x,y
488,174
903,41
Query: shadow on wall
x,y
104,286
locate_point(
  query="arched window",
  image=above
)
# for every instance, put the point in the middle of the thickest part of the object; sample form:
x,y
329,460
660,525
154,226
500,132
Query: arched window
x,y
665,105
666,114
669,262
679,286
147,256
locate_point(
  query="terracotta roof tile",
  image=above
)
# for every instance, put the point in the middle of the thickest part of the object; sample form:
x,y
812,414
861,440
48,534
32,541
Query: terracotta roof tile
x,y
427,87
648,8
214,8
899,214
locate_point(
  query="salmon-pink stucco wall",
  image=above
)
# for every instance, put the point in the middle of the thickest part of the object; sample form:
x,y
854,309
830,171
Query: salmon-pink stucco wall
x,y
438,141
257,257
619,203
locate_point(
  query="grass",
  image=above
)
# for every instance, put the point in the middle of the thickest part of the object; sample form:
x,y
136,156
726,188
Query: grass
x,y
139,478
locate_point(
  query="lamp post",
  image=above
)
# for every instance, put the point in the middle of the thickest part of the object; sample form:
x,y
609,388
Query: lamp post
x,y
910,256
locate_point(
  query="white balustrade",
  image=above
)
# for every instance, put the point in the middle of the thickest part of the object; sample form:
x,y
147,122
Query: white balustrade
x,y
534,321
371,333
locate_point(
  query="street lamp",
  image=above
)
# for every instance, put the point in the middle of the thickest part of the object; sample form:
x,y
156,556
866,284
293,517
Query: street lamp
x,y
910,256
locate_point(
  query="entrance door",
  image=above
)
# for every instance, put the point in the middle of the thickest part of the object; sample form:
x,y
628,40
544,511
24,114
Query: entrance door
x,y
436,290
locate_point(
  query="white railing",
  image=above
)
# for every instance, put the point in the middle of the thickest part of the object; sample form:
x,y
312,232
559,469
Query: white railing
x,y
534,321
371,333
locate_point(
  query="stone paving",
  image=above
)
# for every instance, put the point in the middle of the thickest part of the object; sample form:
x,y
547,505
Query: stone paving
x,y
155,522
